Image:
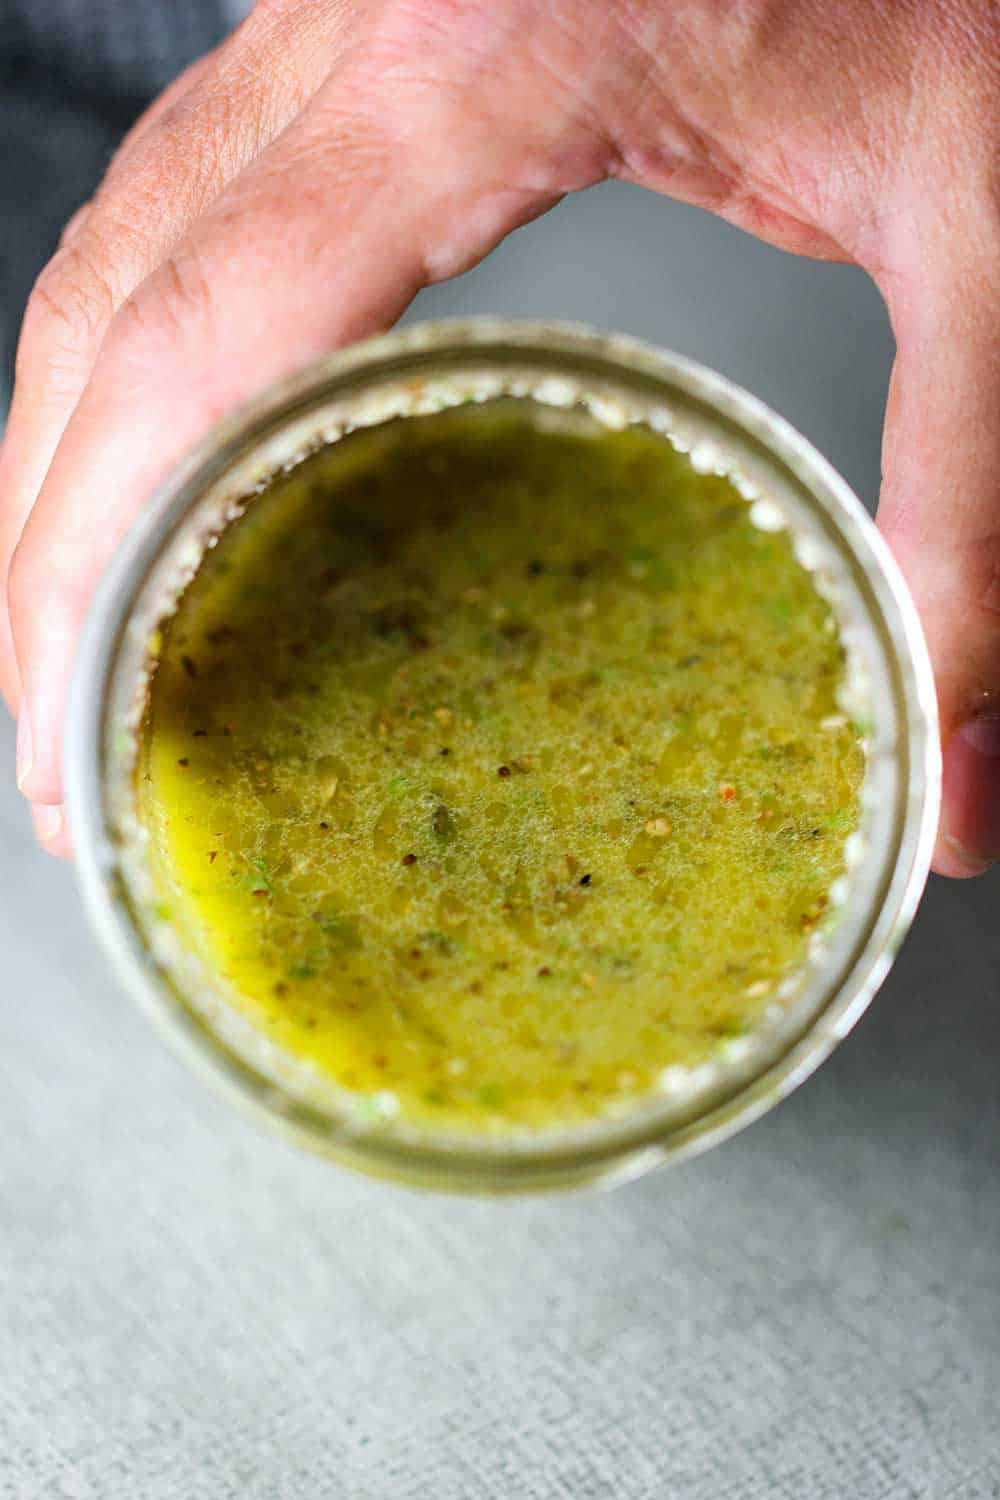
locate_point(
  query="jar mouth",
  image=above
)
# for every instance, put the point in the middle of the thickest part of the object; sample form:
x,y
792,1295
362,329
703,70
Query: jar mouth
x,y
556,370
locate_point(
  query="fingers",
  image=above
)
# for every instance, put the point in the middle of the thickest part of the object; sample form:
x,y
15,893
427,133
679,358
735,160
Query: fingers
x,y
325,239
194,139
940,510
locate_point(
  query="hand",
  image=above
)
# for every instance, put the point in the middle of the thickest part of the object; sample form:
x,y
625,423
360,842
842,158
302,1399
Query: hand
x,y
295,188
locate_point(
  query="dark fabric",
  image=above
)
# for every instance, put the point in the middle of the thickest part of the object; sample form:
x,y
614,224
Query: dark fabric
x,y
73,76
111,51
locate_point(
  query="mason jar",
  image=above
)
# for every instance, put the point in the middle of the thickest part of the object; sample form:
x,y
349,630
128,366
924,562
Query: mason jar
x,y
557,373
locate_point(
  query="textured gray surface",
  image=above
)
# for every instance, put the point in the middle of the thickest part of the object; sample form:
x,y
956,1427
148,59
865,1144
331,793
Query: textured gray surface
x,y
188,1309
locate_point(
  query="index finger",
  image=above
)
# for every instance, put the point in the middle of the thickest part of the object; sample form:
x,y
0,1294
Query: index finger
x,y
324,240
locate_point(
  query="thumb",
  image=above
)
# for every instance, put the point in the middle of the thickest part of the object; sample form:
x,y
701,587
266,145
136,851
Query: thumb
x,y
940,511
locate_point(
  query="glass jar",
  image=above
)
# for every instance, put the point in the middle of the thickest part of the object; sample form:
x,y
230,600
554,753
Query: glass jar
x,y
557,371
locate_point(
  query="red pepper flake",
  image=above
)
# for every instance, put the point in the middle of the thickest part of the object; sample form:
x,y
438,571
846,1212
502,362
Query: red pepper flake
x,y
213,855
727,792
409,859
503,772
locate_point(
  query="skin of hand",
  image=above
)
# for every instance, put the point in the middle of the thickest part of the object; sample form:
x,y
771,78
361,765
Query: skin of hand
x,y
293,191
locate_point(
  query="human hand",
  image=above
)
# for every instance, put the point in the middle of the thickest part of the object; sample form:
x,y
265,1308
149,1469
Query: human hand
x,y
294,189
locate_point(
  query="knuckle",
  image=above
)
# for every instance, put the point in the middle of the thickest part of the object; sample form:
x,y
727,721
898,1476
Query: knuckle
x,y
75,291
76,223
166,308
71,302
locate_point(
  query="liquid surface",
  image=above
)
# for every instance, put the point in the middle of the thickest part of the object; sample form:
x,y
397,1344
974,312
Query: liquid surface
x,y
497,770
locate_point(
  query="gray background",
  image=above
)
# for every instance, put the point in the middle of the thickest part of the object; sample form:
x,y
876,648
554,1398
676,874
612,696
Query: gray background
x,y
188,1309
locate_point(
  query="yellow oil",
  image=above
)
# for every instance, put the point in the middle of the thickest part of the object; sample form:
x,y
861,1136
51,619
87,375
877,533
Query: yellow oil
x,y
496,770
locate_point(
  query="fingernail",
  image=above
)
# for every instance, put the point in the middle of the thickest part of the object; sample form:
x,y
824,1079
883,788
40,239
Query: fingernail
x,y
25,753
48,821
972,791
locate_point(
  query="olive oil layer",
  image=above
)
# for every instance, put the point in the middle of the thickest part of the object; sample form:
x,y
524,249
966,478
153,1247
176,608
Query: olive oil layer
x,y
496,770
